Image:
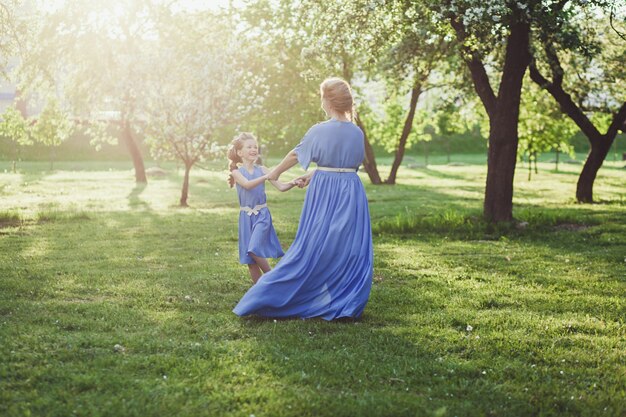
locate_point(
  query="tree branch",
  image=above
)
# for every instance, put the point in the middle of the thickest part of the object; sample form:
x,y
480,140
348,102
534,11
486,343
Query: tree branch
x,y
477,70
618,122
565,102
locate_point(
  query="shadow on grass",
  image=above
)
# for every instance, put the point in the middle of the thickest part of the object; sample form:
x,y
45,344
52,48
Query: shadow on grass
x,y
134,199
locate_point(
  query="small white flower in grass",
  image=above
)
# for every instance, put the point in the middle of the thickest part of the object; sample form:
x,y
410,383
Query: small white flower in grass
x,y
275,321
217,254
164,376
469,328
188,298
561,372
119,348
484,372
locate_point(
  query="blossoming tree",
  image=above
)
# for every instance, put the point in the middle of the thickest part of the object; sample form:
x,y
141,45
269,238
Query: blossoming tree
x,y
196,90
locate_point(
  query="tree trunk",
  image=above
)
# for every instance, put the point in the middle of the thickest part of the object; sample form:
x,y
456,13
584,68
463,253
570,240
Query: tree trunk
x,y
502,156
599,149
52,155
135,153
503,113
503,122
370,159
406,130
448,149
425,154
185,192
16,155
556,165
369,163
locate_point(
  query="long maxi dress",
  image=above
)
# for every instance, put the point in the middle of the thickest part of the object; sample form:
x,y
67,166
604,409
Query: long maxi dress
x,y
256,231
327,271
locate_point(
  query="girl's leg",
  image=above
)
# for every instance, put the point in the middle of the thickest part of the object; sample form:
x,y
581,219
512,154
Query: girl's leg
x,y
261,262
255,272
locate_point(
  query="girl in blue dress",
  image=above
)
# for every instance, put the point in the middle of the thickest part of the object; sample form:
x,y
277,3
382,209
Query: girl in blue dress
x,y
327,271
257,237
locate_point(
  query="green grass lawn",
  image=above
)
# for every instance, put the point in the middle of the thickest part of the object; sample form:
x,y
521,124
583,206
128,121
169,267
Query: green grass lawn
x,y
464,318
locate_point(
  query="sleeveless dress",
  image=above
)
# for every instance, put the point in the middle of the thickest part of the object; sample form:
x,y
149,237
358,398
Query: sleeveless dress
x,y
256,231
327,271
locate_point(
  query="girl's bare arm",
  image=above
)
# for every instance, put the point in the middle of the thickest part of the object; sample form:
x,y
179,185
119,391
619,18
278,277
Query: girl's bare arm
x,y
279,185
244,182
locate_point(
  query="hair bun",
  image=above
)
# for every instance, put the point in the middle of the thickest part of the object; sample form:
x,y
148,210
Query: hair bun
x,y
338,95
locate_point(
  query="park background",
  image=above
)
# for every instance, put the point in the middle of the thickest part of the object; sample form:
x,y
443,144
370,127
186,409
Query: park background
x,y
494,174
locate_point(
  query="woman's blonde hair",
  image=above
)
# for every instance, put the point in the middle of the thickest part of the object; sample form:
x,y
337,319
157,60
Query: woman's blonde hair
x,y
233,158
338,95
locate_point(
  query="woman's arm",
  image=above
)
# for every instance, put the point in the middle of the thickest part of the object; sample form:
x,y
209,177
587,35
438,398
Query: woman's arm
x,y
288,161
279,185
244,182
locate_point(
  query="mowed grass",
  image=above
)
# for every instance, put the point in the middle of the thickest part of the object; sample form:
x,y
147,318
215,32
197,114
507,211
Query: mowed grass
x,y
464,318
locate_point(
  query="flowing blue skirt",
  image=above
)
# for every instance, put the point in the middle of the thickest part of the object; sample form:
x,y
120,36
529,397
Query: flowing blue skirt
x,y
327,271
257,236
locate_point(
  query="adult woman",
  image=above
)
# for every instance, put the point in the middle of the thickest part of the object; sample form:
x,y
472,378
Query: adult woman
x,y
327,271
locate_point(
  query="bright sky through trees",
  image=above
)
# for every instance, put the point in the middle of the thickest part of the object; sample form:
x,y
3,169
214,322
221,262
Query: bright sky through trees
x,y
190,5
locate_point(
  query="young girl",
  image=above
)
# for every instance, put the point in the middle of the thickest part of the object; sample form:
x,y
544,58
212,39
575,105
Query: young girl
x,y
257,237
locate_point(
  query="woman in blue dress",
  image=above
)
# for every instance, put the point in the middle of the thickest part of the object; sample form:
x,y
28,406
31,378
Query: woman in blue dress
x,y
257,237
327,271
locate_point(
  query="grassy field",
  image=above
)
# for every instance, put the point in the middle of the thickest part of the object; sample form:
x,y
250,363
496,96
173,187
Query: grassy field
x,y
464,319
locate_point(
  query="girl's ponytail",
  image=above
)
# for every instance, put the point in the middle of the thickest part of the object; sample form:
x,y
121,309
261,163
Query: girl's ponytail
x,y
233,159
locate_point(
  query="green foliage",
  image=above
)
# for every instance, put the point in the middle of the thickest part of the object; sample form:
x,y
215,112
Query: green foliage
x,y
101,133
14,28
584,49
53,126
542,126
15,127
385,131
287,70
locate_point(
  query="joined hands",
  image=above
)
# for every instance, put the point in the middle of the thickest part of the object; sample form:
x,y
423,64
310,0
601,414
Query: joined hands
x,y
302,181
